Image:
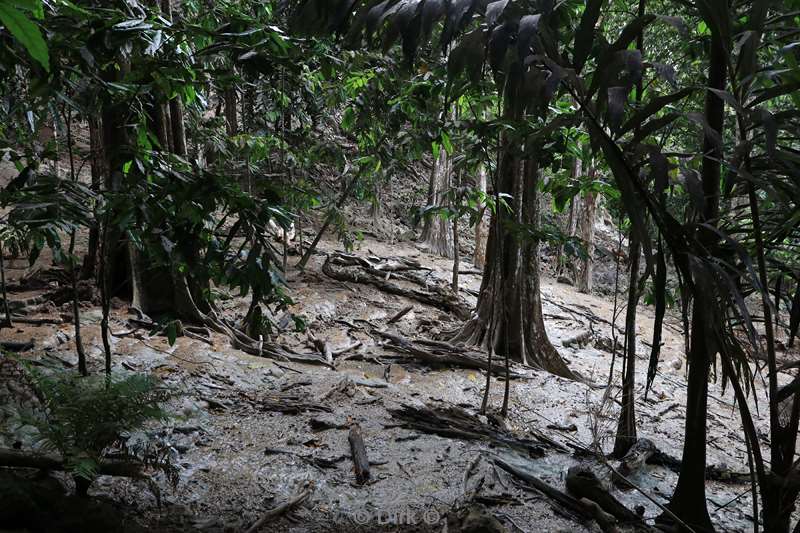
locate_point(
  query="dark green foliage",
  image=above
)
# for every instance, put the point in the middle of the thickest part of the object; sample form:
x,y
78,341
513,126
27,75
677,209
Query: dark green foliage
x,y
84,419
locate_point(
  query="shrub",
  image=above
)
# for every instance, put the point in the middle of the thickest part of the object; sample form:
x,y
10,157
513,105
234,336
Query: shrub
x,y
87,419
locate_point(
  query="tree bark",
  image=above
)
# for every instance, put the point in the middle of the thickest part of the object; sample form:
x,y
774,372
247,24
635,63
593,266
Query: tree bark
x,y
626,428
689,500
572,221
96,166
231,111
6,322
115,152
588,211
359,454
482,226
509,317
437,232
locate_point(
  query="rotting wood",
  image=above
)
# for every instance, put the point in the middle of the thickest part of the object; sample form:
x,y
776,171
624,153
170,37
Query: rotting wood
x,y
344,349
455,422
288,403
358,452
574,507
36,321
340,267
584,483
713,472
437,353
15,346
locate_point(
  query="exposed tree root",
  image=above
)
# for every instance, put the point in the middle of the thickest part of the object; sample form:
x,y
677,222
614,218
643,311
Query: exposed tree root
x,y
189,310
354,269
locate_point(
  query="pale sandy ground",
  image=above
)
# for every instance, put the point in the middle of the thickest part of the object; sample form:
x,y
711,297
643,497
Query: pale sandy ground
x,y
226,478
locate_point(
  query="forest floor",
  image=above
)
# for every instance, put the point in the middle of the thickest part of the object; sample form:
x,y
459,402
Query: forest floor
x,y
239,456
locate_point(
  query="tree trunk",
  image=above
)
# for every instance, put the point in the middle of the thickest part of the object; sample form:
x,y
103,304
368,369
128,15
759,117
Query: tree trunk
x,y
6,322
97,172
437,233
231,111
626,428
176,122
588,211
509,317
456,255
572,223
178,129
482,226
689,500
115,152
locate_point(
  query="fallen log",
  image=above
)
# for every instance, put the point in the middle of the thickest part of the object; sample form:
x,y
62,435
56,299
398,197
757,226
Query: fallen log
x,y
435,295
437,353
107,467
380,264
292,404
14,346
583,483
359,454
713,472
454,422
36,321
578,509
344,349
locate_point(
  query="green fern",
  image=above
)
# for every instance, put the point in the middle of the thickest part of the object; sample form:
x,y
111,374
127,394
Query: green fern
x,y
85,419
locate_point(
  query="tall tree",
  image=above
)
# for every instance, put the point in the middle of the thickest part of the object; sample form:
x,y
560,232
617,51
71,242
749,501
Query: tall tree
x,y
689,499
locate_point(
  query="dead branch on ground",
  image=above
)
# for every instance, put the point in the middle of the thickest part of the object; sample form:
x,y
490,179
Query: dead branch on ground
x,y
354,269
439,353
455,422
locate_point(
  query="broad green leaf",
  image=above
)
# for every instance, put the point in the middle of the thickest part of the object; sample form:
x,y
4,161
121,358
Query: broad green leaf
x,y
26,32
34,6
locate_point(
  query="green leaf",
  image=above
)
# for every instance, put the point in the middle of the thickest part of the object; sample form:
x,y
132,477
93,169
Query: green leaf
x,y
34,6
26,32
446,143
